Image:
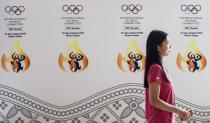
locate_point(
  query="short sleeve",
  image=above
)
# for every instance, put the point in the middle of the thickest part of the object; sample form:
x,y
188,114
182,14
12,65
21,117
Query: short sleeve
x,y
155,74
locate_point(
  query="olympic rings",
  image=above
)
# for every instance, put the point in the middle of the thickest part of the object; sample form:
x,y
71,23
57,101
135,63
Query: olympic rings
x,y
194,9
72,8
131,8
14,10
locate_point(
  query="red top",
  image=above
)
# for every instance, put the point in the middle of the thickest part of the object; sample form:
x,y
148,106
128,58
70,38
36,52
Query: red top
x,y
155,115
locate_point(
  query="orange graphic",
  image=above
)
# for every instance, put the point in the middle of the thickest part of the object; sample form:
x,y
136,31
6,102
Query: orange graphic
x,y
133,61
193,60
75,59
17,60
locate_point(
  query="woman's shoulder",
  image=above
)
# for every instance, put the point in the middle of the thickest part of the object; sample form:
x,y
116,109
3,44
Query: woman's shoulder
x,y
155,66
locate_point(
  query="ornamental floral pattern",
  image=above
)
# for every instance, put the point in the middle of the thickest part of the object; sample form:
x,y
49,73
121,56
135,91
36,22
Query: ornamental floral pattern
x,y
119,104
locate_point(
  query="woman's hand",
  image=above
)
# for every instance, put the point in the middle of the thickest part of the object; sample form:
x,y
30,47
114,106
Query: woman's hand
x,y
184,115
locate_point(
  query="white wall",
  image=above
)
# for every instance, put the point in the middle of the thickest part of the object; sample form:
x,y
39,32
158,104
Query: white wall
x,y
100,91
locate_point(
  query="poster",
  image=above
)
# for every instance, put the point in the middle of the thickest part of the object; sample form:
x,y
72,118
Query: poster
x,y
71,61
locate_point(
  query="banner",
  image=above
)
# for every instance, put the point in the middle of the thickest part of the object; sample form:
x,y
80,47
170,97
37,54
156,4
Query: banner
x,y
83,61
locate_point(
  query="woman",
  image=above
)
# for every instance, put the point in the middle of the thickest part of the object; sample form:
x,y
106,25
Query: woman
x,y
160,98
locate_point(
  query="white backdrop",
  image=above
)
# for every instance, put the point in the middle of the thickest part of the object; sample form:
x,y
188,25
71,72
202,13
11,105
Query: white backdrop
x,y
47,31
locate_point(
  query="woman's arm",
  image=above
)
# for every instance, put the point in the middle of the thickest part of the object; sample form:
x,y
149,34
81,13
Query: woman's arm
x,y
154,91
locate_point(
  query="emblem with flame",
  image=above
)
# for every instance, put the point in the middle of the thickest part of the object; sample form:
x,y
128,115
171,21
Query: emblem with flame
x,y
134,59
17,60
193,60
75,60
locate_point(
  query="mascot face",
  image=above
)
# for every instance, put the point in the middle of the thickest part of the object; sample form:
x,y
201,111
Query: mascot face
x,y
16,62
74,61
193,58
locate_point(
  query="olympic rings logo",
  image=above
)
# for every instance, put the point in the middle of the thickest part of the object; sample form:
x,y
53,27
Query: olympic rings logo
x,y
194,9
72,9
135,9
17,10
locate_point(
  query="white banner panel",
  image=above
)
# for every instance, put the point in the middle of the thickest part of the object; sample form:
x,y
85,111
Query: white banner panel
x,y
69,60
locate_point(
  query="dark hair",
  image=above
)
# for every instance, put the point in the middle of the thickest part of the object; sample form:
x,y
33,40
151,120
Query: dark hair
x,y
155,38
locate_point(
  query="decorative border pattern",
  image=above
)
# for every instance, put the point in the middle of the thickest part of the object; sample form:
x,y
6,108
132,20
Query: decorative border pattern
x,y
119,104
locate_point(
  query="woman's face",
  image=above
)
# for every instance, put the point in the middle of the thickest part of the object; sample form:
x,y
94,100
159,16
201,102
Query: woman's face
x,y
164,48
